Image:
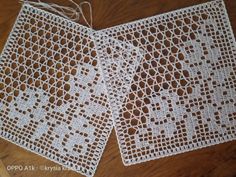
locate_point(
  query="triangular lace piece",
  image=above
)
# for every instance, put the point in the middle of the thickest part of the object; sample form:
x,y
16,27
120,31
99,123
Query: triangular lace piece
x,y
183,93
53,98
119,67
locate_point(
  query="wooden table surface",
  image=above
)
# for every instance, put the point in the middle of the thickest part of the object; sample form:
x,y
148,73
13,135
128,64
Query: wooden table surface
x,y
214,161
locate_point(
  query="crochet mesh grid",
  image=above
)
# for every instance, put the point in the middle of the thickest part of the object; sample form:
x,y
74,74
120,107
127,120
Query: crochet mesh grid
x,y
53,98
183,94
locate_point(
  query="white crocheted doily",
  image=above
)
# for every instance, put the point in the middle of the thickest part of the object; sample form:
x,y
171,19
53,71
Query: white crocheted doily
x,y
183,95
53,98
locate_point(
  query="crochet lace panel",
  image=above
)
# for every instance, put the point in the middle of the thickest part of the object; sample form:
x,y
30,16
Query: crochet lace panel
x,y
119,62
183,93
53,98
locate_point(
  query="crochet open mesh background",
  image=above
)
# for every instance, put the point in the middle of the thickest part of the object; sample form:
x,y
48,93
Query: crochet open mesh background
x,y
53,99
183,94
119,62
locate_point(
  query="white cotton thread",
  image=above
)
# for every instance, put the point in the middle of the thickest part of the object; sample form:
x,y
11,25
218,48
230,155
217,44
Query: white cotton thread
x,y
69,13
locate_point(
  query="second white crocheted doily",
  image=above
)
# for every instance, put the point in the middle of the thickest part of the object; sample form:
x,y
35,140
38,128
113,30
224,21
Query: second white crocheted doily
x,y
183,94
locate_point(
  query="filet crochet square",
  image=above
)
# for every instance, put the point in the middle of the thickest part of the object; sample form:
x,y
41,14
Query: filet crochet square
x,y
53,98
183,95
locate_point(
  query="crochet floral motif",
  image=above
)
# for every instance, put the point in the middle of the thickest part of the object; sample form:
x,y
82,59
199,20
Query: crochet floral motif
x,y
53,98
183,94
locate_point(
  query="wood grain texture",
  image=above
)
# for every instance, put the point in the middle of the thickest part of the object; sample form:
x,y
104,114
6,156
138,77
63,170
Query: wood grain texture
x,y
3,170
214,161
